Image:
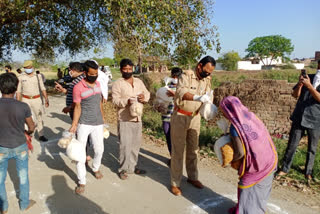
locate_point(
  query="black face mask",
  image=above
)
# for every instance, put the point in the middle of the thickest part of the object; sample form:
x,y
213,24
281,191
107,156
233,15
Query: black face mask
x,y
91,79
204,74
126,75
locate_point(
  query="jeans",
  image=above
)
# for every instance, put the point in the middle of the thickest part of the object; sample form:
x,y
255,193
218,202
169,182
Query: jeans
x,y
166,130
296,134
20,154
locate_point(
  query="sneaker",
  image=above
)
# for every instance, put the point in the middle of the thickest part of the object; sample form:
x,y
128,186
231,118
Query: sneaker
x,y
43,139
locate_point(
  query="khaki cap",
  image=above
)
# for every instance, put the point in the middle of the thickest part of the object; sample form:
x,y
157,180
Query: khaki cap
x,y
27,63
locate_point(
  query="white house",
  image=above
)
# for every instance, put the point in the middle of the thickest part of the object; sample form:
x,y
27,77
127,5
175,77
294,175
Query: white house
x,y
255,64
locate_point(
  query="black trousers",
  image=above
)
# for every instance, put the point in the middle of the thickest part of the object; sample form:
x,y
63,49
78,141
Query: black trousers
x,y
296,133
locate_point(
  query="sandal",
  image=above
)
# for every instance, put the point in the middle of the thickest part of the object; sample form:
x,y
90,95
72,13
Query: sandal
x,y
31,203
123,175
80,189
98,175
139,171
280,175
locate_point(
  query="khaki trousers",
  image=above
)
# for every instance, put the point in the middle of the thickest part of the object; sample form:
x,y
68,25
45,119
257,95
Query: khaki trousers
x,y
185,132
37,113
130,136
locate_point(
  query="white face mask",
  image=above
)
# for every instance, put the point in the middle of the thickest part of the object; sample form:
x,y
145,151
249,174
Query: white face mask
x,y
174,81
28,70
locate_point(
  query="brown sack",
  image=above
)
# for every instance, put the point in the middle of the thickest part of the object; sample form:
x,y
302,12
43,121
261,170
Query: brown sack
x,y
227,154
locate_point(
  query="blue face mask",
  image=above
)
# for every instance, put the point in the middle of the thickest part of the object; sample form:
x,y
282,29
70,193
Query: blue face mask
x,y
28,70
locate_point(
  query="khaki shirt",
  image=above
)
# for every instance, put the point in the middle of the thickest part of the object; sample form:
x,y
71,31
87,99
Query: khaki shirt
x,y
122,91
189,82
28,84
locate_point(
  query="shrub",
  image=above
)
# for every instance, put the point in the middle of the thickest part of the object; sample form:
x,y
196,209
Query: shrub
x,y
288,66
313,65
152,122
230,61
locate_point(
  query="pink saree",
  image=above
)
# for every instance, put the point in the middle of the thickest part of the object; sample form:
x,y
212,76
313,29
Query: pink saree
x,y
260,156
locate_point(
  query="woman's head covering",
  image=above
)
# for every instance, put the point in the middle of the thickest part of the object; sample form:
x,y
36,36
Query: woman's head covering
x,y
260,153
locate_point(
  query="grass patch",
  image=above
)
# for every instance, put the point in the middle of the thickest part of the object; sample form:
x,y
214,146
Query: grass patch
x,y
299,160
152,122
116,74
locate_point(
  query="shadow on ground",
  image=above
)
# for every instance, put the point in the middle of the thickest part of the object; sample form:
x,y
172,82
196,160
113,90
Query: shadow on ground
x,y
206,199
51,154
65,201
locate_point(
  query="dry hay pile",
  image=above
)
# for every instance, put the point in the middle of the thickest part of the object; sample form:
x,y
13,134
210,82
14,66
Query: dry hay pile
x,y
110,112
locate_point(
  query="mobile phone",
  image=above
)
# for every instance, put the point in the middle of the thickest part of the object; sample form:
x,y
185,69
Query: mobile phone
x,y
304,73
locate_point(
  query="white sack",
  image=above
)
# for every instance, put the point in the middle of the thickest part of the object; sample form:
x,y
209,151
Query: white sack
x,y
76,151
162,94
136,109
208,111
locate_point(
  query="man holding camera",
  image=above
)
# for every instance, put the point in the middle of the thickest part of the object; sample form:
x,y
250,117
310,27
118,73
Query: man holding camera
x,y
305,117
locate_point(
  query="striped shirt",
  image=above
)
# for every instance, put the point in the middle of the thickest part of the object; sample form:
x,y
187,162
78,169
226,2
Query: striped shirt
x,y
167,117
69,98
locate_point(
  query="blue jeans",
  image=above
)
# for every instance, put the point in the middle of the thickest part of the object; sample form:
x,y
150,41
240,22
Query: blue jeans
x,y
20,154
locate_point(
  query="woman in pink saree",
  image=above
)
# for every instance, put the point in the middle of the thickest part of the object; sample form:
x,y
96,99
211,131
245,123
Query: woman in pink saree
x,y
255,153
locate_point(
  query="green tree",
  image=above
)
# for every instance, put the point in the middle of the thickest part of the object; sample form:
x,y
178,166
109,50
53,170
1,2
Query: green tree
x,y
270,46
230,61
47,28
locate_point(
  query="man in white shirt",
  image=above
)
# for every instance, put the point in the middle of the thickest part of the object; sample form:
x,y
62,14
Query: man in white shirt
x,y
316,79
103,79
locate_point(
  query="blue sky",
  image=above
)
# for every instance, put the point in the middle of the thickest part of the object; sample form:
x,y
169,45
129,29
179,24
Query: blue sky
x,y
239,21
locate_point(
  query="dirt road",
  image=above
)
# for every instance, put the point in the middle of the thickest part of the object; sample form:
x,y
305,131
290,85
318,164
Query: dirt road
x,y
53,177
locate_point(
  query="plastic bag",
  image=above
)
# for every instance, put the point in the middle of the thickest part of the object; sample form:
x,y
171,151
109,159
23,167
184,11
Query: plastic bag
x,y
208,111
106,132
76,151
223,125
66,139
162,94
29,142
219,144
136,109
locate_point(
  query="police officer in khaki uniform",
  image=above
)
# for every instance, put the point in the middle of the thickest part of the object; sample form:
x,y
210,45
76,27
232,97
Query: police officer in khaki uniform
x,y
192,90
29,88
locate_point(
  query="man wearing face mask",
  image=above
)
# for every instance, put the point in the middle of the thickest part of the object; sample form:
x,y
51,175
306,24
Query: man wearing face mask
x,y
191,92
7,68
166,116
31,90
126,91
77,74
88,120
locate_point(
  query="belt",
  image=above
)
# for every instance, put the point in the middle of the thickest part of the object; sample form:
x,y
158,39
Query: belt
x,y
188,113
31,97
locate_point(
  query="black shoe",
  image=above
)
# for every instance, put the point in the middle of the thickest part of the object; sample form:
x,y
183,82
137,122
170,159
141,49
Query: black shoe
x,y
169,163
43,139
